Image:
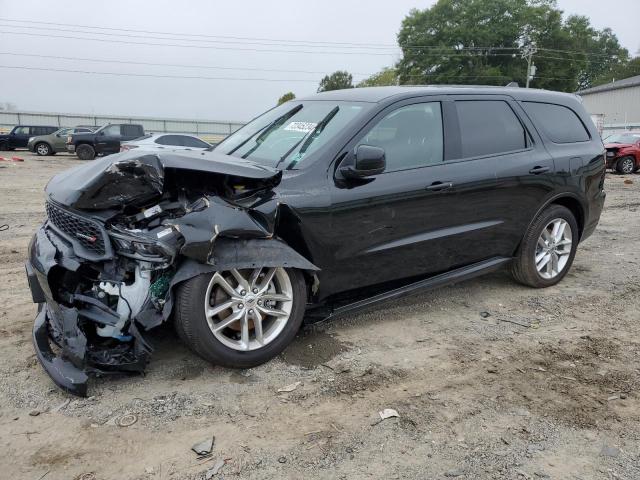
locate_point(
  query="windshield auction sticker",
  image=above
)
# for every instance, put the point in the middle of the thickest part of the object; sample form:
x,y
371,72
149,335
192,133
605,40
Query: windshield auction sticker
x,y
304,127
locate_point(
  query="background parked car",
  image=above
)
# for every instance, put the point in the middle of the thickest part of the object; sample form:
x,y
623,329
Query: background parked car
x,y
103,141
623,151
54,142
19,135
164,141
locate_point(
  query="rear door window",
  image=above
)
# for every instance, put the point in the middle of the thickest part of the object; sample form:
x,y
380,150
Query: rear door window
x,y
559,123
489,127
174,140
411,136
131,131
193,142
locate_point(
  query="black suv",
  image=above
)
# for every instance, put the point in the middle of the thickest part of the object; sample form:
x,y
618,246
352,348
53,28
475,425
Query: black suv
x,y
104,141
320,207
19,135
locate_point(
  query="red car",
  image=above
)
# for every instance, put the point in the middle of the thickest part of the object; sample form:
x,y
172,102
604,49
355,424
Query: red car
x,y
623,151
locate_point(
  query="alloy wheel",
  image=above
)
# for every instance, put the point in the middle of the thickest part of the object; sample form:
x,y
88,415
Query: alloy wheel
x,y
247,309
553,248
626,165
42,149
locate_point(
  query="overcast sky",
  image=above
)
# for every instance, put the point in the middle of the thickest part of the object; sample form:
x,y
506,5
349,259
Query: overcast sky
x,y
287,23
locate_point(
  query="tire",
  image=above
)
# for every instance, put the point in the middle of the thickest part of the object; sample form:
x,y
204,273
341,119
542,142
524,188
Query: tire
x,y
524,268
85,152
626,165
3,147
42,149
193,327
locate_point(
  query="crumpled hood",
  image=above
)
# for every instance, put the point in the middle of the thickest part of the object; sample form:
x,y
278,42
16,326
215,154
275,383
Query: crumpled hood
x,y
610,146
136,178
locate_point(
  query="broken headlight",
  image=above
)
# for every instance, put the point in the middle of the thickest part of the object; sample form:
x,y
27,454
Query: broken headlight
x,y
159,245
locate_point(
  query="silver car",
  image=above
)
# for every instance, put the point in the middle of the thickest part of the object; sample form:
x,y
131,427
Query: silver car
x,y
165,141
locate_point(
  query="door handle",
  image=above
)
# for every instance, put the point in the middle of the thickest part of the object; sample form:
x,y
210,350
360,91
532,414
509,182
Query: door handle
x,y
538,170
439,186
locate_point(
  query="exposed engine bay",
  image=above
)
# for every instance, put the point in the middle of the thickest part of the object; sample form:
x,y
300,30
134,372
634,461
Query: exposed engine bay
x,y
121,234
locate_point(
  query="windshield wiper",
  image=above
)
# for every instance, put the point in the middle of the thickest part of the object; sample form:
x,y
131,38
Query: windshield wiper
x,y
266,130
310,135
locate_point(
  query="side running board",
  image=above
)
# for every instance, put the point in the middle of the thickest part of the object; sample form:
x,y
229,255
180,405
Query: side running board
x,y
454,276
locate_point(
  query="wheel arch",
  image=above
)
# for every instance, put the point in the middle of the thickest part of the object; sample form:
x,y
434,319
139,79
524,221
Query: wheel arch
x,y
567,200
231,253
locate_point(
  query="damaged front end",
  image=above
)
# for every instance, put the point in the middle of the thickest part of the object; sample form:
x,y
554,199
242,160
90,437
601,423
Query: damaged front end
x,y
120,233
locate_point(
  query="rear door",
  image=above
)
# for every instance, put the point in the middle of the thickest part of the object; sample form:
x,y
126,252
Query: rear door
x,y
525,171
108,139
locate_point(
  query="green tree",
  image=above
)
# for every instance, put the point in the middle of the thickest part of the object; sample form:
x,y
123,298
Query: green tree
x,y
387,76
336,81
286,97
480,42
619,72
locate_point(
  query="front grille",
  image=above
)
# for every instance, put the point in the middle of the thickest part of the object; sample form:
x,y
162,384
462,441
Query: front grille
x,y
83,232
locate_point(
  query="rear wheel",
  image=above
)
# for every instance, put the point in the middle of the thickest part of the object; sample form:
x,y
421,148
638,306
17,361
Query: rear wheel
x,y
547,249
241,318
43,149
3,147
85,152
626,165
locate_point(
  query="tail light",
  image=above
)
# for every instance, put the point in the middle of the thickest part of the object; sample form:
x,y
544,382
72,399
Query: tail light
x,y
69,139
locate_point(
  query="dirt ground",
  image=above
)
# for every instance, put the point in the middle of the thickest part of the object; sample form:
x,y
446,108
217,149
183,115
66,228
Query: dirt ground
x,y
491,380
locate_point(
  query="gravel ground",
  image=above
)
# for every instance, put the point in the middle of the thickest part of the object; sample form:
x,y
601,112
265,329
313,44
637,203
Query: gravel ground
x,y
544,386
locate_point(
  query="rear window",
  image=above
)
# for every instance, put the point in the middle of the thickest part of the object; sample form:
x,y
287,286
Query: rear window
x,y
559,123
489,127
131,130
174,140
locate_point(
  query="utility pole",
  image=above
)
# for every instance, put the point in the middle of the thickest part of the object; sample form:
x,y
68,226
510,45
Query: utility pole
x,y
528,51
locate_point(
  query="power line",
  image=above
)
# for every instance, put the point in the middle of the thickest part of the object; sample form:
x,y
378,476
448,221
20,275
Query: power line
x,y
192,34
303,43
198,77
150,75
150,64
104,40
261,43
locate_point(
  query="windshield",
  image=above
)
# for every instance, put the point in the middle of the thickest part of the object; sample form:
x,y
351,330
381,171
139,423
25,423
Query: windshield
x,y
285,135
622,138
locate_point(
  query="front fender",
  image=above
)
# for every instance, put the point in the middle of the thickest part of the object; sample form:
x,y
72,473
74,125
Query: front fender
x,y
231,253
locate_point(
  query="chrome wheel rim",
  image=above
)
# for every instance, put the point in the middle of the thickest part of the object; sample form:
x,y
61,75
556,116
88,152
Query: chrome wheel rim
x,y
553,248
247,309
627,165
43,149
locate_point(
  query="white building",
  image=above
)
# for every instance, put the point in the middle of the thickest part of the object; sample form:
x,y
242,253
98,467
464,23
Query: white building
x,y
615,105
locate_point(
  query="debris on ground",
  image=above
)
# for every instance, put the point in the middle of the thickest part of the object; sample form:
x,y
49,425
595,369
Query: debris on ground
x,y
204,447
34,413
213,471
485,314
282,459
608,451
126,420
289,388
388,413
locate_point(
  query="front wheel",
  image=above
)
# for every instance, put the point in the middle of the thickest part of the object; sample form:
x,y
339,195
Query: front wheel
x,y
547,249
43,149
241,318
626,165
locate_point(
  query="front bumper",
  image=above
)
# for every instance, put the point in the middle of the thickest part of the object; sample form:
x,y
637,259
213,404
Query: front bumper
x,y
63,340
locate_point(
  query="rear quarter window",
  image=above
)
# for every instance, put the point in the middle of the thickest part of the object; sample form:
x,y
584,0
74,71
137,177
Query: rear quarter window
x,y
559,123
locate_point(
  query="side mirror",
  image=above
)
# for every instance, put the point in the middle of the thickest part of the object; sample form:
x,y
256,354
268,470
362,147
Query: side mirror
x,y
367,161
